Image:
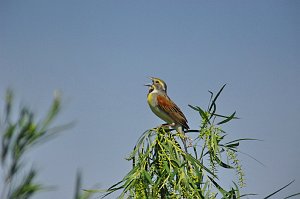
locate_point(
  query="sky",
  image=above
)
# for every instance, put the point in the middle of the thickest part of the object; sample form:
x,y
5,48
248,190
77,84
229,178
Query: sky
x,y
98,54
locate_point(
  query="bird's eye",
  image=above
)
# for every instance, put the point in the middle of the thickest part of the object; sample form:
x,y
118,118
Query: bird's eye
x,y
157,82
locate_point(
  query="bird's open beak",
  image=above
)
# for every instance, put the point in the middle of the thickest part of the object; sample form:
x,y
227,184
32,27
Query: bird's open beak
x,y
147,85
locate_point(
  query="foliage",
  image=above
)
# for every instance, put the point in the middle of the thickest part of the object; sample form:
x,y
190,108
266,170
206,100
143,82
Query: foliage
x,y
17,138
162,168
79,193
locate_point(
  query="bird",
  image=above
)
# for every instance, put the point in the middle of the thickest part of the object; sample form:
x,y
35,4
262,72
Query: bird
x,y
164,108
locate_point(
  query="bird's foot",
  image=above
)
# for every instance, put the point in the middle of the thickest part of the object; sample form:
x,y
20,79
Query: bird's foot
x,y
186,139
166,126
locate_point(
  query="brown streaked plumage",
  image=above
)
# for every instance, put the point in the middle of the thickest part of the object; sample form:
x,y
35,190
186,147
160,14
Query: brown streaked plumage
x,y
162,106
170,108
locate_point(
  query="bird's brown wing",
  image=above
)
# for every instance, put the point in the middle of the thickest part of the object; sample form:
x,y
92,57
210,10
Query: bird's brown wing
x,y
172,110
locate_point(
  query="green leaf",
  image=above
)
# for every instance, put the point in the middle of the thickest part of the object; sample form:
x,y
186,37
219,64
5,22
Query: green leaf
x,y
296,194
147,176
233,145
228,119
213,103
279,190
77,185
196,162
222,164
8,102
201,112
193,107
224,116
204,115
214,109
115,185
176,163
242,139
222,191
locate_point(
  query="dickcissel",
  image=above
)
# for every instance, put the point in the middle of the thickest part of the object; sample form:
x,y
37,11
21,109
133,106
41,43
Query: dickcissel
x,y
162,106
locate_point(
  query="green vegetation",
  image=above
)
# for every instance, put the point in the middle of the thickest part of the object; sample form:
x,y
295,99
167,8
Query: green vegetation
x,y
161,168
18,136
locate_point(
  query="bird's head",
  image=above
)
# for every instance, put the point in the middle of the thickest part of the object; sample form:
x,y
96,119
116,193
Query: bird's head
x,y
159,84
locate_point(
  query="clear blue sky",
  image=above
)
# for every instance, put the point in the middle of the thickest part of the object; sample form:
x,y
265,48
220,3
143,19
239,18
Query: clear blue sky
x,y
99,54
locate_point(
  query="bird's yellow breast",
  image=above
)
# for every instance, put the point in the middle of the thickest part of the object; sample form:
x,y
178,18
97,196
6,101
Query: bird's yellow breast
x,y
152,101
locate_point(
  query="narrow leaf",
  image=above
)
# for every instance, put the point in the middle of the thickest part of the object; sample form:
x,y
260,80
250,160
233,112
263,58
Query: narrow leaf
x,y
243,139
279,190
223,192
222,164
296,194
228,119
147,176
216,97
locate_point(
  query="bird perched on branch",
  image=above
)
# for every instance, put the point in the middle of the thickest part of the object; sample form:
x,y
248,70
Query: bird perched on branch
x,y
163,107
